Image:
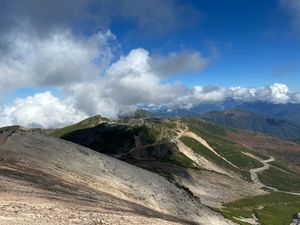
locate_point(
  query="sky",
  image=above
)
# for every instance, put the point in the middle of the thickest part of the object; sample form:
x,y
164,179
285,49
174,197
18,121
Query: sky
x,y
62,61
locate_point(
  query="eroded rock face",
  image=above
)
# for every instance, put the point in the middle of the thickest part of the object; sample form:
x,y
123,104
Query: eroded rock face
x,y
296,219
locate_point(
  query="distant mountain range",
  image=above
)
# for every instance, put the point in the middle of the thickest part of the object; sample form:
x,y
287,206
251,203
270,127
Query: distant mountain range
x,y
256,122
287,111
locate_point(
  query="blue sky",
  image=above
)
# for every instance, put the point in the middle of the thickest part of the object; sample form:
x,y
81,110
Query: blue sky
x,y
80,58
253,38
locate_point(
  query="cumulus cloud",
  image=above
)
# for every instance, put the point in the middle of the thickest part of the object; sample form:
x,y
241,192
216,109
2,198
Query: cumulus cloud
x,y
242,93
279,93
128,82
59,59
209,94
40,110
276,93
80,67
153,16
95,87
176,63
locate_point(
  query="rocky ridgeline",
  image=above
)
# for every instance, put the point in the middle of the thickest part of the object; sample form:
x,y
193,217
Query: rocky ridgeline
x,y
296,219
18,129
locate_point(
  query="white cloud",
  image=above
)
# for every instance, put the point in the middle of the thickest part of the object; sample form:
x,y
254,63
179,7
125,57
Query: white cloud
x,y
276,93
128,82
209,94
152,16
56,60
176,63
81,68
40,110
242,93
279,93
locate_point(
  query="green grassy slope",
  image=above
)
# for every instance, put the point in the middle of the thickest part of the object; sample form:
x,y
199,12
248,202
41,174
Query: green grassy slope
x,y
87,123
215,136
10,128
206,153
282,180
271,209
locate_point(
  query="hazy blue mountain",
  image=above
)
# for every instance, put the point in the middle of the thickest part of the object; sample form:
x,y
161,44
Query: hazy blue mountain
x,y
194,111
256,122
288,111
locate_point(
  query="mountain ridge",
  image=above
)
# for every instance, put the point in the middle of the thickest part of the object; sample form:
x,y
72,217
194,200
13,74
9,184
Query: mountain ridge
x,y
200,159
256,122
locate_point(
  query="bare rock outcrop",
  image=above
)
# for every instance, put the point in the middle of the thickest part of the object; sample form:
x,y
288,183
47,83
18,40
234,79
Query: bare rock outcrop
x,y
296,219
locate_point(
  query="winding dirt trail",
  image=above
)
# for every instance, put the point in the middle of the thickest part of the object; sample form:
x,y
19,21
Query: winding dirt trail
x,y
255,171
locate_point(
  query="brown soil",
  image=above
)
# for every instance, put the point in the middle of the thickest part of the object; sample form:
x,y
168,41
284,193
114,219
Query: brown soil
x,y
285,151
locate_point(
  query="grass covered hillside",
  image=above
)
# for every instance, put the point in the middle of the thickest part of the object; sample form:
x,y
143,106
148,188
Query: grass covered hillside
x,y
274,208
201,157
87,123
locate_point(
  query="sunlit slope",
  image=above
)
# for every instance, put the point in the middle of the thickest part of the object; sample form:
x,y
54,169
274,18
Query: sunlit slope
x,y
89,122
39,172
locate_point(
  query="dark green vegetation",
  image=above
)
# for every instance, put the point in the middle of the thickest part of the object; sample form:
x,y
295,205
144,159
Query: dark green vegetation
x,y
9,128
134,139
206,153
111,139
255,122
259,154
280,179
143,114
87,123
281,166
272,209
168,153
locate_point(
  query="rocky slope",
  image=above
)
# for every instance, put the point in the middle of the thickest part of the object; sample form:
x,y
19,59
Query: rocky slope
x,y
186,159
46,180
156,145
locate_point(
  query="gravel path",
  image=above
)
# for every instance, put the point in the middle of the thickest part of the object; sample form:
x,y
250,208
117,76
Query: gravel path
x,y
255,171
